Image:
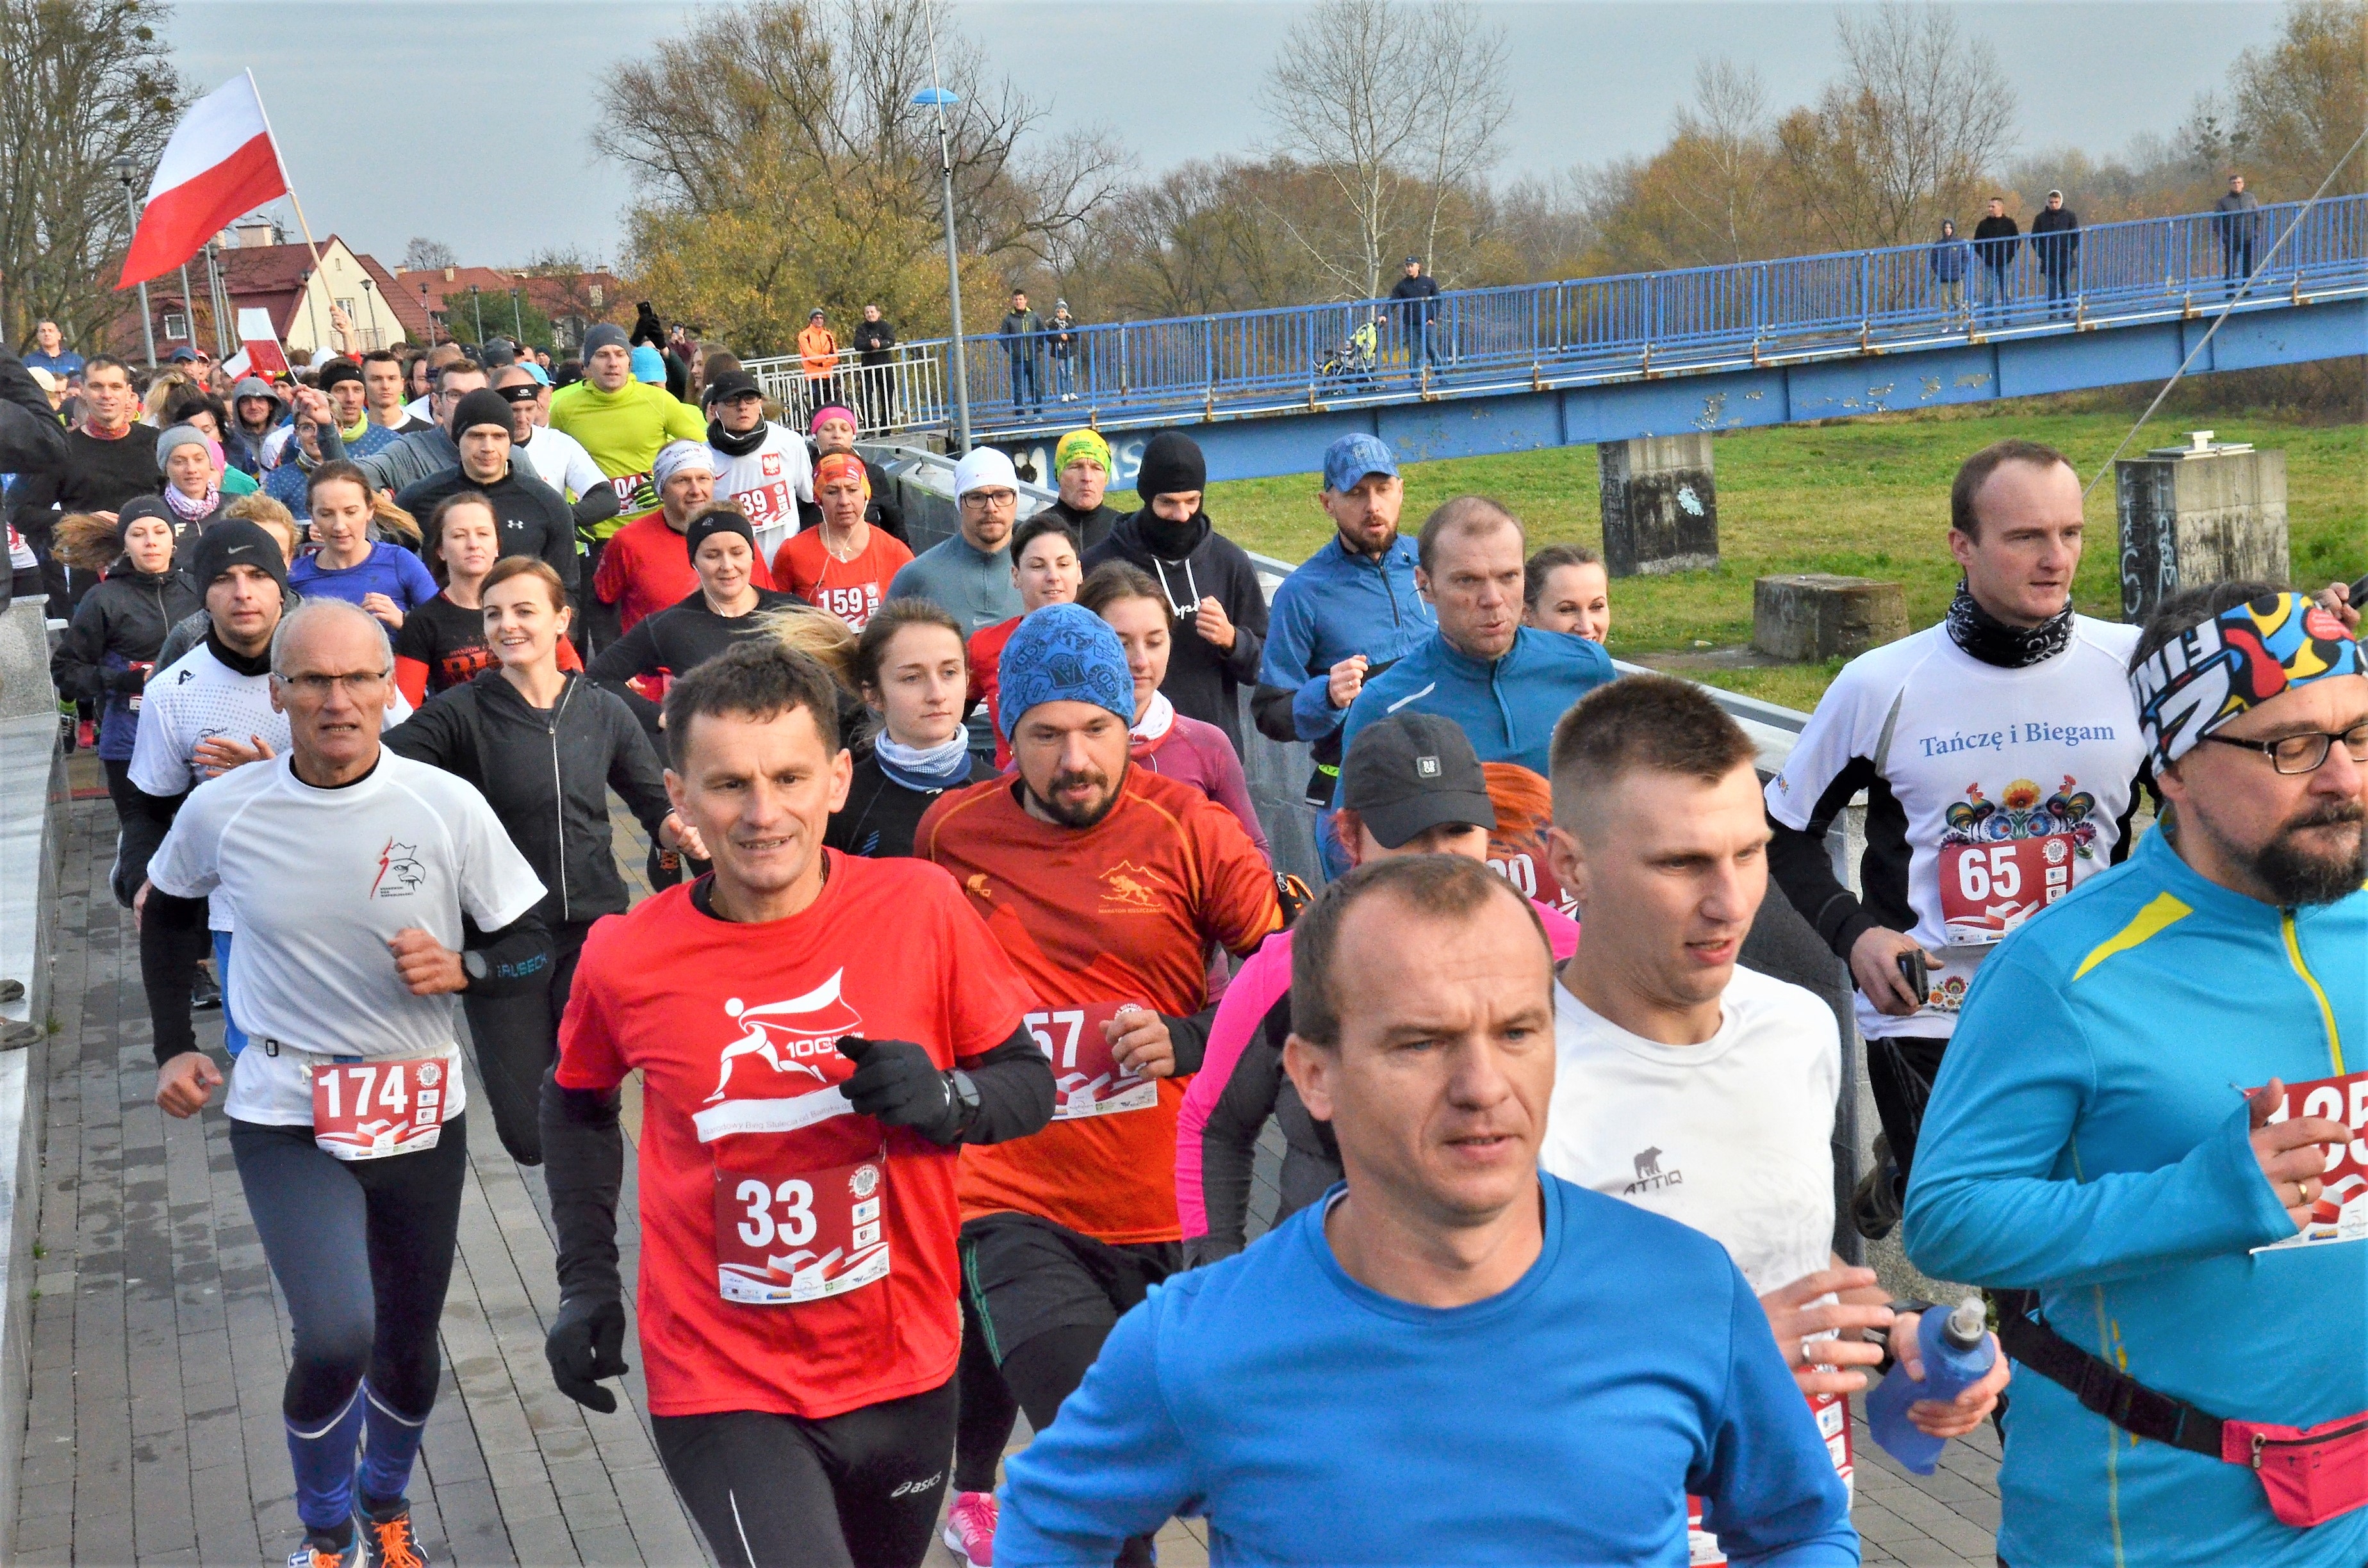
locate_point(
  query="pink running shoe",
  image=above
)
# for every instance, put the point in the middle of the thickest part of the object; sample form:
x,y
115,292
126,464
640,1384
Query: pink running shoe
x,y
970,1527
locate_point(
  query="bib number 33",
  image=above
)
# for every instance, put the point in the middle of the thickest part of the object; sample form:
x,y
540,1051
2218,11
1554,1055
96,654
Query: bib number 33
x,y
783,1238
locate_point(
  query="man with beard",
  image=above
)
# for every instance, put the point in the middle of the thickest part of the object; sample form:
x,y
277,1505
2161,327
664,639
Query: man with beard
x,y
1107,884
2142,1116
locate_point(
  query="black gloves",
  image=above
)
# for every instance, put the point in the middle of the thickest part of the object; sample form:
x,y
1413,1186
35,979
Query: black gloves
x,y
587,1342
896,1081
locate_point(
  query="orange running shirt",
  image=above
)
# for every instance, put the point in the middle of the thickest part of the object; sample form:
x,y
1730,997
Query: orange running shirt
x,y
1123,911
851,590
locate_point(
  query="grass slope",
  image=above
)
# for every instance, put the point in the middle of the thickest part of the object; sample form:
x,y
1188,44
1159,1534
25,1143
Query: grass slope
x,y
1867,497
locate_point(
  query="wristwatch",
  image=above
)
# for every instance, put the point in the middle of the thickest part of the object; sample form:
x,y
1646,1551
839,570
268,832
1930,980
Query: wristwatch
x,y
965,1097
474,965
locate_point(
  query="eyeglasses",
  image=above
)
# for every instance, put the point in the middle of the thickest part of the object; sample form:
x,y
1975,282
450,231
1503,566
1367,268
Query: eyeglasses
x,y
2305,753
361,683
984,500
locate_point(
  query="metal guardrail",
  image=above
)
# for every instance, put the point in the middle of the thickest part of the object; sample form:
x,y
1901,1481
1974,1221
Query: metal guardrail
x,y
905,390
1577,331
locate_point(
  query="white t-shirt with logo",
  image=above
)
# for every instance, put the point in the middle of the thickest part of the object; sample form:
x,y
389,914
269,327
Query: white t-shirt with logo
x,y
2012,784
768,483
1731,1137
319,881
560,460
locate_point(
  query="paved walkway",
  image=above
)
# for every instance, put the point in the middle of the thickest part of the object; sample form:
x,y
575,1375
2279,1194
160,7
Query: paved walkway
x,y
160,1345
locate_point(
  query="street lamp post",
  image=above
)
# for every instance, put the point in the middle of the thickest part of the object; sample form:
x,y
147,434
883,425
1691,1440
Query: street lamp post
x,y
477,310
122,166
311,319
517,322
939,99
428,314
220,300
369,299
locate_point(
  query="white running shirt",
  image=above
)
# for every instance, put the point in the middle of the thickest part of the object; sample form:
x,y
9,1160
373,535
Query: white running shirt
x,y
1731,1137
560,460
767,485
319,881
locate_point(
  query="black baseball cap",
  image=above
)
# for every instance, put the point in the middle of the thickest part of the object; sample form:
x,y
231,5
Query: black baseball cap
x,y
1413,772
732,384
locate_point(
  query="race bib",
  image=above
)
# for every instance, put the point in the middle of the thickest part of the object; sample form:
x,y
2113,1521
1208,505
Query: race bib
x,y
2341,1212
367,1111
145,667
769,503
636,494
785,1237
1989,889
1832,1410
1087,1081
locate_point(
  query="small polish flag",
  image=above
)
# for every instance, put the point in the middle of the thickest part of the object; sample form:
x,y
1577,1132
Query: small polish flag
x,y
221,163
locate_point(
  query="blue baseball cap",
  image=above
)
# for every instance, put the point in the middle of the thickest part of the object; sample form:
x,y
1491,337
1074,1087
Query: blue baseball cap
x,y
1349,459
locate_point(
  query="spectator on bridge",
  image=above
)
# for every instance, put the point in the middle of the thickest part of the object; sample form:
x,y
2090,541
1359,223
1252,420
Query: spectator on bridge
x,y
2237,224
1212,588
1997,239
833,433
2055,245
1081,466
1061,342
1418,294
1346,614
1020,331
1949,269
875,393
818,358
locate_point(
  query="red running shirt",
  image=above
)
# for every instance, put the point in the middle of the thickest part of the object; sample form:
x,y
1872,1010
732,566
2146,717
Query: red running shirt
x,y
986,666
728,1023
851,590
1123,911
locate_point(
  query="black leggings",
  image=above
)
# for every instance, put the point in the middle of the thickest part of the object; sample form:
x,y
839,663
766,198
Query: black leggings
x,y
516,1039
362,1249
1901,1071
860,1490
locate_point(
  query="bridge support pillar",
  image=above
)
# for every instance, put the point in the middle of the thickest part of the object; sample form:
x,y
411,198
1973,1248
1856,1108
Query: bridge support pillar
x,y
2197,514
1808,617
1660,507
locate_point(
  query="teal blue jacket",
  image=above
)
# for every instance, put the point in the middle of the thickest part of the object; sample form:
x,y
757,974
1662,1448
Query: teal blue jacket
x,y
2084,1140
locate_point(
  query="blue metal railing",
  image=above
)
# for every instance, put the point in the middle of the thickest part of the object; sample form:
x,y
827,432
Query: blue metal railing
x,y
1572,333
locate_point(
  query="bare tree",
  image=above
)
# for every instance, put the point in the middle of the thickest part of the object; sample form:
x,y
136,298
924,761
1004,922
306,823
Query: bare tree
x,y
1394,104
424,255
2301,103
1724,184
87,81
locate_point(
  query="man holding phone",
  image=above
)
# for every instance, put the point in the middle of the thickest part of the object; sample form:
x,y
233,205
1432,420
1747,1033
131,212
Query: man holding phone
x,y
2001,755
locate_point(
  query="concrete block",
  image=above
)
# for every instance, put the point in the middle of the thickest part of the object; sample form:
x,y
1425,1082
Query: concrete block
x,y
1809,617
2202,513
1660,505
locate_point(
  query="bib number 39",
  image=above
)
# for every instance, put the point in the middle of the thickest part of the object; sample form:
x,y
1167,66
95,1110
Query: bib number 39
x,y
367,1111
783,1238
1086,1079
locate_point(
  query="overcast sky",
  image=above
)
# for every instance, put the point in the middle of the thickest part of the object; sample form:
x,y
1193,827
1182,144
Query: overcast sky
x,y
497,99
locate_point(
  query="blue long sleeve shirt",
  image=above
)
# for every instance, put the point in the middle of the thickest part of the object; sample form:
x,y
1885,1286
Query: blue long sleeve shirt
x,y
1509,706
2083,1141
1314,1421
1336,604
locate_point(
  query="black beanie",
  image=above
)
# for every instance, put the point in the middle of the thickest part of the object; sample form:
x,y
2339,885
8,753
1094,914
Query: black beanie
x,y
1172,465
141,507
483,406
235,541
717,520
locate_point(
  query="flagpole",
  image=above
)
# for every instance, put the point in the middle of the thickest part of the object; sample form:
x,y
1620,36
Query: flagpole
x,y
293,200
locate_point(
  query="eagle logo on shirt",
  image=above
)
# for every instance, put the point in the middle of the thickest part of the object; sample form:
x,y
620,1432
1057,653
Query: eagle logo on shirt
x,y
782,1033
400,874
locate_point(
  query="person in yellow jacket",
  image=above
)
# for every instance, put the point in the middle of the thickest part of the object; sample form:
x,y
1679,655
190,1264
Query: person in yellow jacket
x,y
818,355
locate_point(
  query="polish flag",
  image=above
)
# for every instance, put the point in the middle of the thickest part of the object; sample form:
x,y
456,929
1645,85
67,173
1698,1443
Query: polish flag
x,y
221,163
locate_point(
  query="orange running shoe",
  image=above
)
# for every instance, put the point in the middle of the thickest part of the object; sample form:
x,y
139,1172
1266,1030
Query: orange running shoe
x,y
389,1543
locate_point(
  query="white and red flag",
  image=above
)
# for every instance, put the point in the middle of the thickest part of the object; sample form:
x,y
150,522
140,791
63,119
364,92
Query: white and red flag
x,y
221,163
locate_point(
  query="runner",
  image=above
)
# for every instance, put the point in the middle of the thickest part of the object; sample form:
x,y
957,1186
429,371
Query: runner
x,y
2000,755
1689,1086
534,518
644,568
404,460
272,518
1413,787
1211,585
909,667
342,383
760,466
625,424
1158,737
108,459
443,642
544,748
1106,885
190,463
833,431
1081,465
384,578
557,457
382,389
2196,1246
805,1090
970,574
1343,615
1454,1358
721,610
843,563
349,872
1563,588
1044,569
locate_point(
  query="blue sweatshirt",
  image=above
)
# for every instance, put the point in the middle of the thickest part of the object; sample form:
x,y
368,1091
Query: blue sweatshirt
x,y
2083,1140
1508,707
390,570
1312,1420
1336,604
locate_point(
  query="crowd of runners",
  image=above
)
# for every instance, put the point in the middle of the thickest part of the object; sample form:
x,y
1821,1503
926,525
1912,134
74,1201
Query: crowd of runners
x,y
971,988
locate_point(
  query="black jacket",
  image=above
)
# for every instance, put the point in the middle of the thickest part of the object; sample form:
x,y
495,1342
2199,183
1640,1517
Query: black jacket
x,y
534,518
1202,682
871,341
1996,240
684,635
547,776
1091,527
97,476
881,511
2056,239
119,624
880,815
1417,299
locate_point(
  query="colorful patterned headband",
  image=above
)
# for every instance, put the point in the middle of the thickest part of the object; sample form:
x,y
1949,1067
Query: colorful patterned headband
x,y
2232,664
834,464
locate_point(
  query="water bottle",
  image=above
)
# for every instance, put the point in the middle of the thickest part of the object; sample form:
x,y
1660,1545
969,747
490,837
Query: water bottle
x,y
1957,1354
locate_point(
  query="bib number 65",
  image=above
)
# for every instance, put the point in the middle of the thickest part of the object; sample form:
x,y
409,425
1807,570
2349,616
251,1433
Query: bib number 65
x,y
1996,875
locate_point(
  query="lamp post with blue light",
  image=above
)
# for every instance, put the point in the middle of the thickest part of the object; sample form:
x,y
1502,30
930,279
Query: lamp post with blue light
x,y
939,99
